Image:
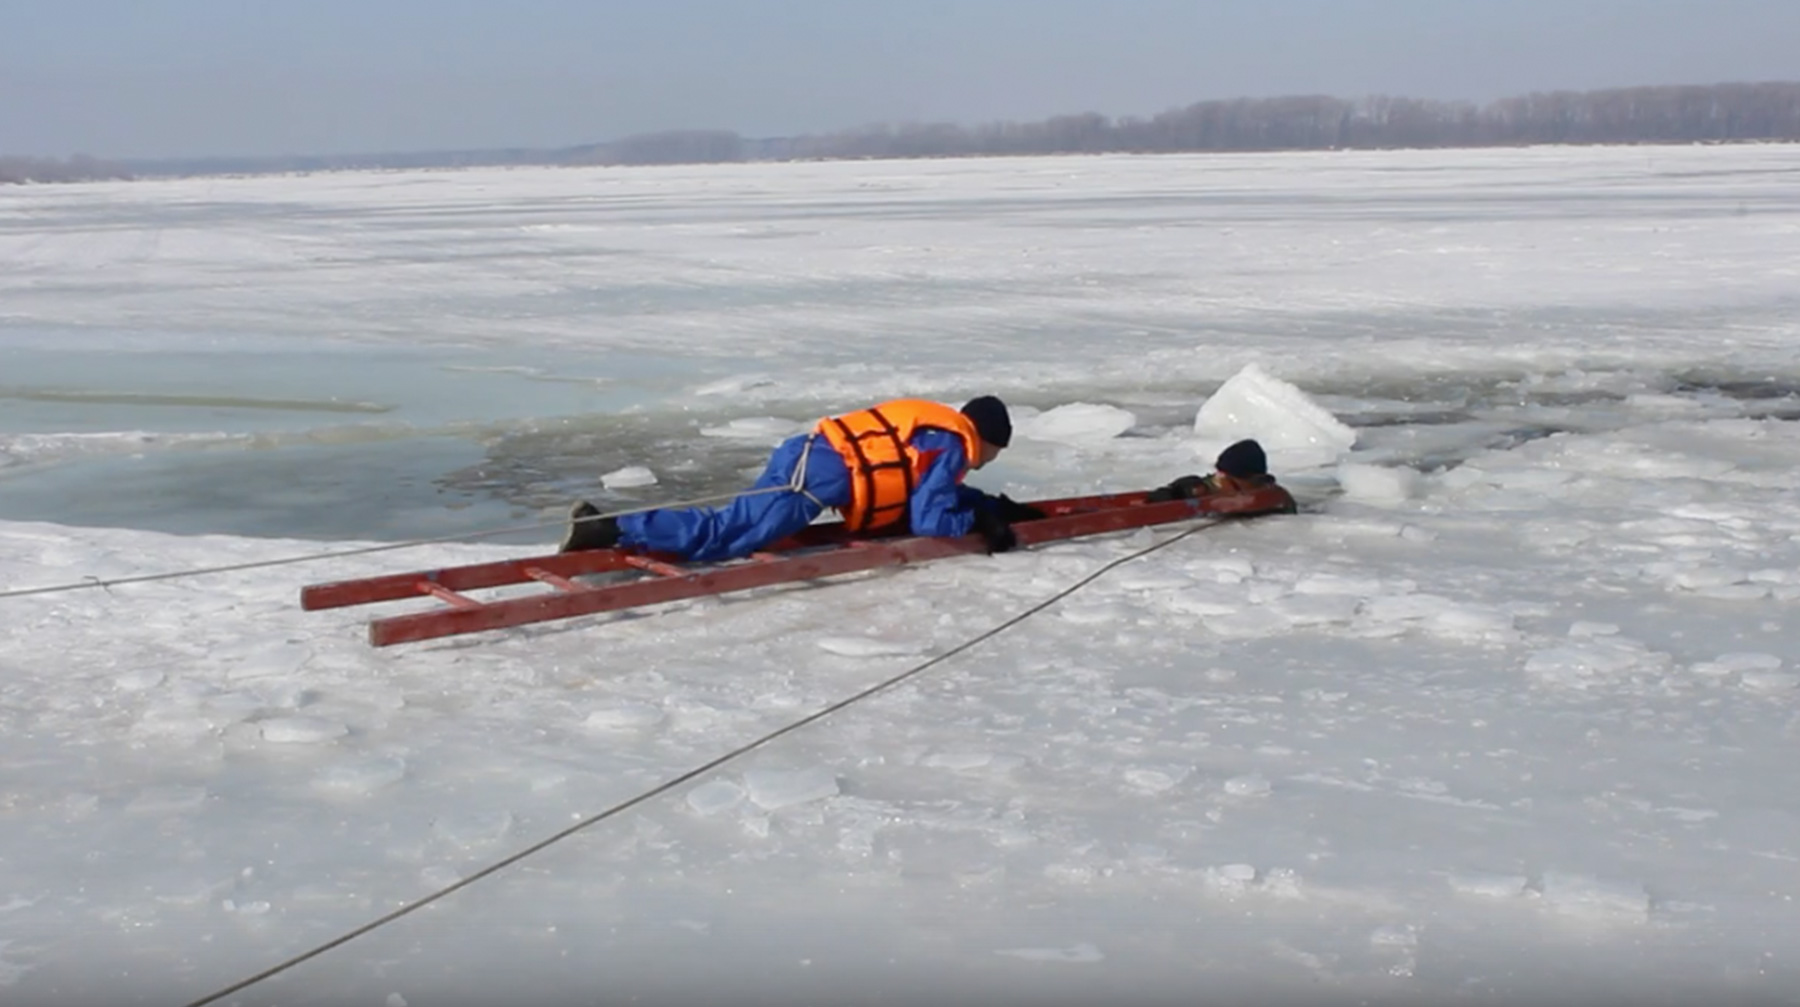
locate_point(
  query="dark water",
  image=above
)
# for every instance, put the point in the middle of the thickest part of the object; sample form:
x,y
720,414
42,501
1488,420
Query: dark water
x,y
386,444
266,438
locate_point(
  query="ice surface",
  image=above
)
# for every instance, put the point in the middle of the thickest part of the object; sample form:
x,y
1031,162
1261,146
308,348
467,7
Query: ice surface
x,y
1083,953
1379,485
1505,714
1586,895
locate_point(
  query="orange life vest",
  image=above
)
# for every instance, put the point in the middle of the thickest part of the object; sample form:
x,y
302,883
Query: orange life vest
x,y
1219,482
876,445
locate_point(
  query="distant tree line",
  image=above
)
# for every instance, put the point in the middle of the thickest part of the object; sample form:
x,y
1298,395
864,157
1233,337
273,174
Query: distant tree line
x,y
1722,113
1716,113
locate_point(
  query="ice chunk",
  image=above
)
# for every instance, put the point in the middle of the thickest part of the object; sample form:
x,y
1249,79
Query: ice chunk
x,y
623,717
362,777
1337,584
1249,623
1230,878
301,730
1153,580
628,477
1078,423
957,760
969,761
1249,785
1404,935
778,788
474,828
715,796
770,429
1288,424
1095,613
1155,780
1489,885
1725,664
1581,665
734,384
867,646
1701,578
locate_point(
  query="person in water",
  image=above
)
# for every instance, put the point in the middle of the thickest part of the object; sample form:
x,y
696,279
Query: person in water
x,y
1241,468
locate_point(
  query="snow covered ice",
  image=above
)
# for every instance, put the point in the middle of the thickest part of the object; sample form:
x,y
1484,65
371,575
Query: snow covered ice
x,y
1506,715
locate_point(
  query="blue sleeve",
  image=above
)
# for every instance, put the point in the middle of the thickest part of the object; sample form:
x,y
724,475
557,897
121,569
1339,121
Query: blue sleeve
x,y
941,505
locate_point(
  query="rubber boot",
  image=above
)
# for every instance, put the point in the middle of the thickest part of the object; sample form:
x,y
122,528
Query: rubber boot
x,y
587,530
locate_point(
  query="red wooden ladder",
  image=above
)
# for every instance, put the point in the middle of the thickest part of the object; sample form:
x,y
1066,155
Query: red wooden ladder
x,y
820,551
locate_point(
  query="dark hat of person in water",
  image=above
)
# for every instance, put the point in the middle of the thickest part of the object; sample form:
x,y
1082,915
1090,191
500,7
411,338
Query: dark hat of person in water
x,y
991,420
1243,460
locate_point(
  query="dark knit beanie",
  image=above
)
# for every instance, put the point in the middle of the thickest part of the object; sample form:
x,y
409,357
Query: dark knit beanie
x,y
991,421
1243,460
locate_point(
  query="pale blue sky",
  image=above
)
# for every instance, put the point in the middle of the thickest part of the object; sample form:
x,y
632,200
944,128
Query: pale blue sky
x,y
156,78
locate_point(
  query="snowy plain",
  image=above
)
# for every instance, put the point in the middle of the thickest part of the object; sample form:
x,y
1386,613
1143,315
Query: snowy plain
x,y
1506,715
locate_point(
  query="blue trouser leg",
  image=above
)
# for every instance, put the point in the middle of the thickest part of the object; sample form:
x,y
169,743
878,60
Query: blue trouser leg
x,y
749,522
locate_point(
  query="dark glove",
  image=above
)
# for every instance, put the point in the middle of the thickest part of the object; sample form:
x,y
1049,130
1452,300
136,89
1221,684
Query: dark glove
x,y
1012,511
1185,488
994,531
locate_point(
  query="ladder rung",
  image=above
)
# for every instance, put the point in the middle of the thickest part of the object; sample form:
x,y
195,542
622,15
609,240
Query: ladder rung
x,y
657,567
555,580
447,596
